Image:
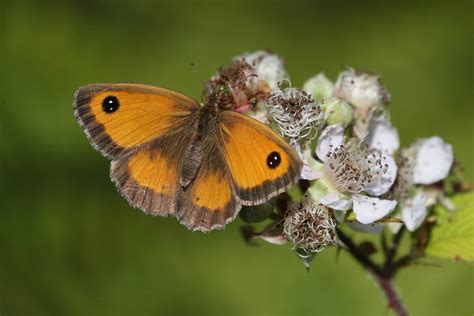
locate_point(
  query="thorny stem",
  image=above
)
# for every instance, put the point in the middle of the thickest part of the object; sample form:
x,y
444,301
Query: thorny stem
x,y
382,275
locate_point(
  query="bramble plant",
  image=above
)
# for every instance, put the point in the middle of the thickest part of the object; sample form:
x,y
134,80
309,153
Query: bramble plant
x,y
355,177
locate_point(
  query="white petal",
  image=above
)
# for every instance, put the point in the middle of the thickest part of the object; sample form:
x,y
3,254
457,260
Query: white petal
x,y
377,188
369,209
414,211
374,228
276,240
331,137
308,173
382,136
433,161
336,201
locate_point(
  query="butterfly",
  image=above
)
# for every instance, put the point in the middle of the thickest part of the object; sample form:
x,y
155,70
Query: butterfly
x,y
172,156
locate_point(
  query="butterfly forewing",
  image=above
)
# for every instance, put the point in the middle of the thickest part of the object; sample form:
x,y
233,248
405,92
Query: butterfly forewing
x,y
119,117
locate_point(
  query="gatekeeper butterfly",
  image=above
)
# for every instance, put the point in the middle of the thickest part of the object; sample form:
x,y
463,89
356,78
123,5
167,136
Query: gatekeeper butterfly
x,y
172,156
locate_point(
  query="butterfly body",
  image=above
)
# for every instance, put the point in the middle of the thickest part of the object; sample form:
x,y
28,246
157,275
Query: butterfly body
x,y
173,157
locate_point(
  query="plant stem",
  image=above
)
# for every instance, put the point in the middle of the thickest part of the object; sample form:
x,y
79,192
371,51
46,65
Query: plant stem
x,y
383,276
394,301
388,268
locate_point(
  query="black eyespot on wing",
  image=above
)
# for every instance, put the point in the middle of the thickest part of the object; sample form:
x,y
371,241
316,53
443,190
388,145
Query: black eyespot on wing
x,y
110,104
273,160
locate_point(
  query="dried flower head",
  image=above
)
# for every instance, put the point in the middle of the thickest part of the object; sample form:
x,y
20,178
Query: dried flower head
x,y
268,67
236,87
309,226
295,112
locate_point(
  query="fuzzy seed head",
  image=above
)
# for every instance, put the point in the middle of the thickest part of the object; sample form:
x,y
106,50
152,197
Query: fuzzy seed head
x,y
309,226
295,112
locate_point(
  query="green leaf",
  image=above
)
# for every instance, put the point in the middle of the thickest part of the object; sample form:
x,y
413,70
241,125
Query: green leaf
x,y
453,235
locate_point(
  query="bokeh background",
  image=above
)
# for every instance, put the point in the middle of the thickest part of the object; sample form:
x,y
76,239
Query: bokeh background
x,y
70,245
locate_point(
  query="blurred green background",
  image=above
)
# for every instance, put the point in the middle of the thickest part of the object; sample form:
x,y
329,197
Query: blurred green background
x,y
70,245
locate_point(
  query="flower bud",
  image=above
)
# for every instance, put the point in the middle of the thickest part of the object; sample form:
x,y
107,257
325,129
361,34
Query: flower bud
x,y
319,86
337,112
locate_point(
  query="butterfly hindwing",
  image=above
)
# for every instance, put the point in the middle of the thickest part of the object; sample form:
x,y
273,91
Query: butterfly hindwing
x,y
120,117
260,162
149,177
209,201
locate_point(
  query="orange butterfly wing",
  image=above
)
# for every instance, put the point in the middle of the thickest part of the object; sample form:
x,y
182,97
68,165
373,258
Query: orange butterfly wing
x,y
260,162
149,177
118,117
209,202
145,130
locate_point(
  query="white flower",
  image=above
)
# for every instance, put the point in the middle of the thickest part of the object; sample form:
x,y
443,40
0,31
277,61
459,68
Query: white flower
x,y
295,113
268,67
361,89
434,159
350,169
319,86
365,93
425,162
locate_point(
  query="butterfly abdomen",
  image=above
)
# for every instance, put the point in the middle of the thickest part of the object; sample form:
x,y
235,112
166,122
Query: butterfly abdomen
x,y
203,129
